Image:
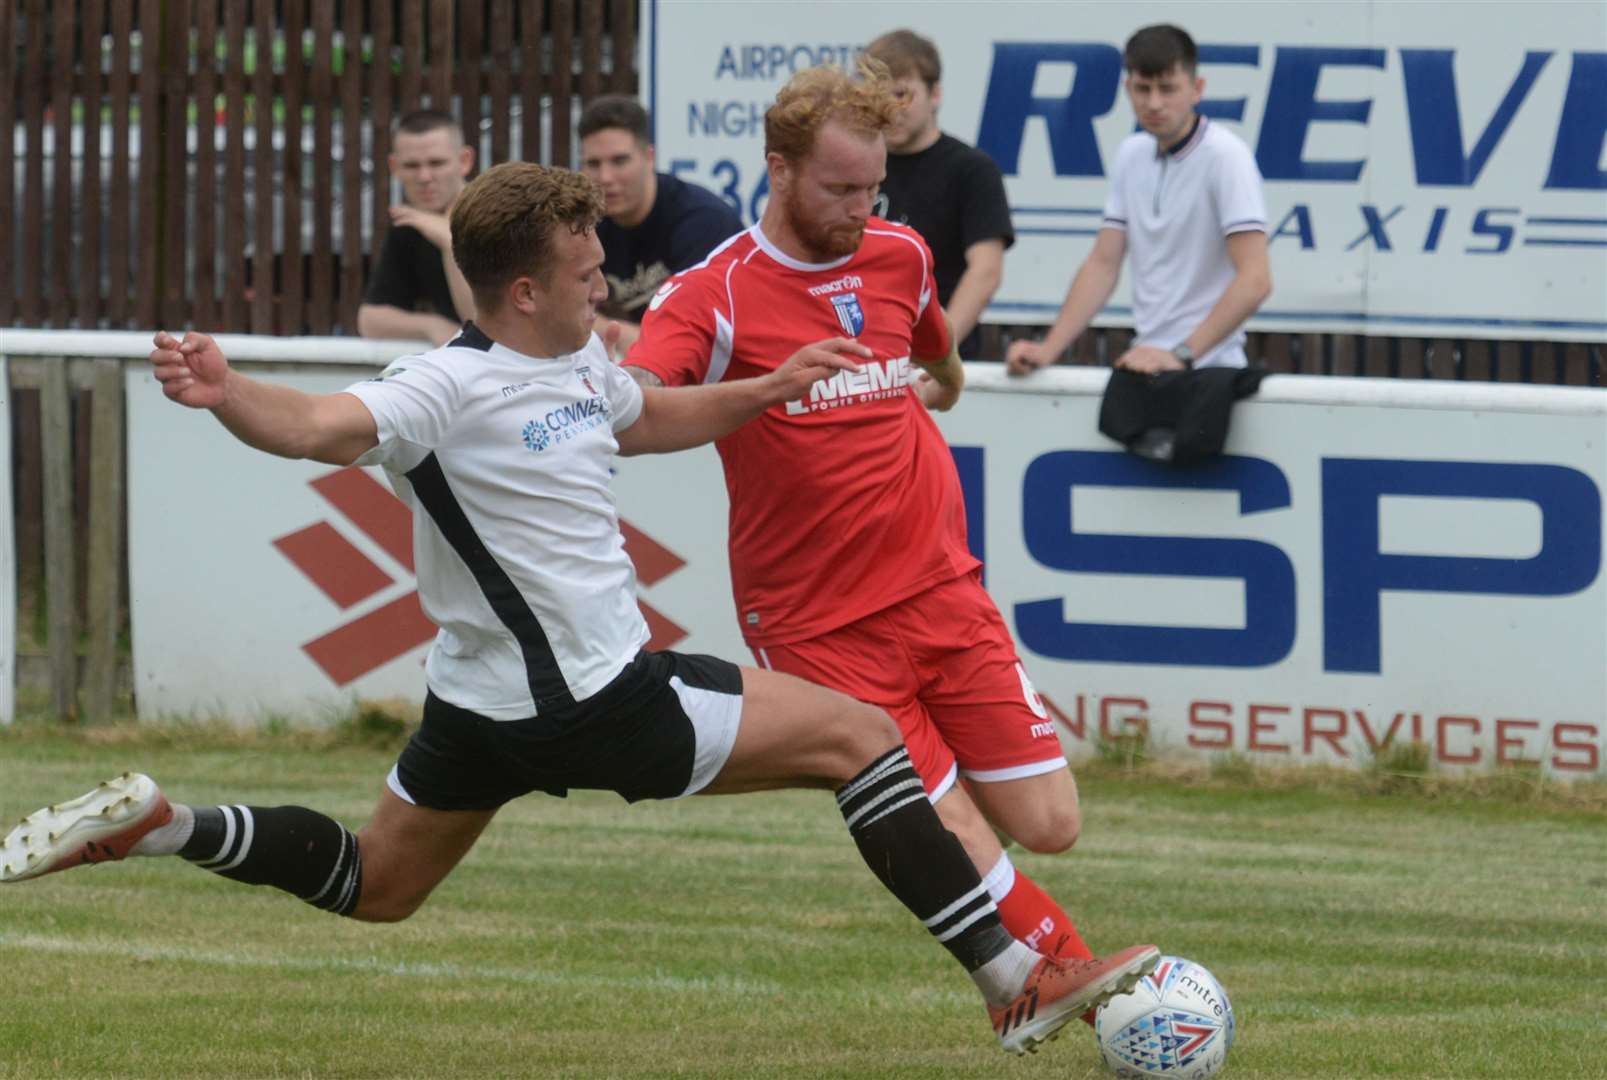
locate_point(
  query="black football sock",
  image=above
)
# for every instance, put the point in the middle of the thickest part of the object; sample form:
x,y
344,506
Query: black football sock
x,y
292,848
904,842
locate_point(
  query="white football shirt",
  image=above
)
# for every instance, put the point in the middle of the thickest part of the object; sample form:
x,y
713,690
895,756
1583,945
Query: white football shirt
x,y
1178,207
505,461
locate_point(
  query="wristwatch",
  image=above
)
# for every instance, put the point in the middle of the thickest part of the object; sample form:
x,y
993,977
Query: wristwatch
x,y
1185,354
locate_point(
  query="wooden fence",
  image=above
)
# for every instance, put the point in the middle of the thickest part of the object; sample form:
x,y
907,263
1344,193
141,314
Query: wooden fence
x,y
178,154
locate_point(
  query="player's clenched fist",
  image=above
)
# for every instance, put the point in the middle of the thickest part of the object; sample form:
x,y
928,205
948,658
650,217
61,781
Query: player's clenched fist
x,y
193,371
810,364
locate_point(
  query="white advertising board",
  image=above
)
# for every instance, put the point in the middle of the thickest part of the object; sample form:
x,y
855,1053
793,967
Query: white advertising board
x,y
1431,169
1371,559
8,560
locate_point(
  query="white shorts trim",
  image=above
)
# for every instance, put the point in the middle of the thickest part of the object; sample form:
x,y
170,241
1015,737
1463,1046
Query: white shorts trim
x,y
393,780
715,719
945,784
1016,772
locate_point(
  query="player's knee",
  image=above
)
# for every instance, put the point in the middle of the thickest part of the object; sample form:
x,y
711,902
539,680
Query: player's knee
x,y
387,893
379,905
1050,829
858,734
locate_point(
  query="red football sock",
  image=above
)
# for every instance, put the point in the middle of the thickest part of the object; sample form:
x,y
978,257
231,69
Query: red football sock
x,y
1032,916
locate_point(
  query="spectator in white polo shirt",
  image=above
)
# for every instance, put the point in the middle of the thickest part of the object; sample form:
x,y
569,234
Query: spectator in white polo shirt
x,y
1185,202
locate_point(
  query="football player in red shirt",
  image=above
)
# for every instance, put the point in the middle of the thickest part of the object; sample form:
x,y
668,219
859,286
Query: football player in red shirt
x,y
848,550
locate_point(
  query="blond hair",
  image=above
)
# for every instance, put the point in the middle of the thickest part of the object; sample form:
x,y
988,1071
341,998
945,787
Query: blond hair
x,y
812,97
503,223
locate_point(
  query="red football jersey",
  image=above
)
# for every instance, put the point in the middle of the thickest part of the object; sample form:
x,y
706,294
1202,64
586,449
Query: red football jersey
x,y
846,501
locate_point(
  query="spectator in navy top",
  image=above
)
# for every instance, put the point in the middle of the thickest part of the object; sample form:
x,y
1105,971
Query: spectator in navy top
x,y
655,224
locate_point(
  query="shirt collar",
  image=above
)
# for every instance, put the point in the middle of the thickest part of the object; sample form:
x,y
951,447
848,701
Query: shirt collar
x,y
1182,147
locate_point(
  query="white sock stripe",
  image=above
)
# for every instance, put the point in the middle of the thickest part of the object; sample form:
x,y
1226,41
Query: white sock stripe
x,y
1002,878
347,901
917,797
247,829
959,905
228,839
893,792
965,924
852,791
345,839
894,760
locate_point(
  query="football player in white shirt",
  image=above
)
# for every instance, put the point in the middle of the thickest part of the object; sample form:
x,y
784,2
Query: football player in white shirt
x,y
530,688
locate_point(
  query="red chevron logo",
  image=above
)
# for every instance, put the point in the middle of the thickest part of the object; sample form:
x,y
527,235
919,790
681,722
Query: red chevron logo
x,y
1157,977
1198,1035
343,573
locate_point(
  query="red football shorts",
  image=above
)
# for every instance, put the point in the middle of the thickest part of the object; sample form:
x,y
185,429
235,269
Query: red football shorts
x,y
943,666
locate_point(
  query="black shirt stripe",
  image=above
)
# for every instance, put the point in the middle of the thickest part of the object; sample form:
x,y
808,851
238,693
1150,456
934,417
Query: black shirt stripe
x,y
547,684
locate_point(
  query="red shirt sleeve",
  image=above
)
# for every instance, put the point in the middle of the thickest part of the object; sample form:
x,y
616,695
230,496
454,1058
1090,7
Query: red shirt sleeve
x,y
929,340
679,332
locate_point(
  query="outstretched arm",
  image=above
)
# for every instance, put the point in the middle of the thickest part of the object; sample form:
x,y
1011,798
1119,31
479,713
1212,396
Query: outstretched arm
x,y
677,418
333,428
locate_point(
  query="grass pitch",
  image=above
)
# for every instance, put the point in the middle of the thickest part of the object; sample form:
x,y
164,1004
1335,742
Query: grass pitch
x,y
1359,932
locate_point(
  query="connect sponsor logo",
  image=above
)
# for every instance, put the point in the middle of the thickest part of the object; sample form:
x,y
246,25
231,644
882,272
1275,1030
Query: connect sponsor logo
x,y
566,422
876,380
389,620
842,284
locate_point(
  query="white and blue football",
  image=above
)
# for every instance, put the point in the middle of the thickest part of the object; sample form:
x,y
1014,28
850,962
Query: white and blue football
x,y
1176,1023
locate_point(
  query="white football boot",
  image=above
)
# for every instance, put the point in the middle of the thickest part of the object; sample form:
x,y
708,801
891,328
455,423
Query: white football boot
x,y
102,826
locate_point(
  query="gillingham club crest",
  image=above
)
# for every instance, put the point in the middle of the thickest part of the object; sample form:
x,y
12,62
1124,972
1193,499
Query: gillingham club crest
x,y
850,316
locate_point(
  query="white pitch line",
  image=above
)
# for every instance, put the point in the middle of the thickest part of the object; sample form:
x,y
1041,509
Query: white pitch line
x,y
720,985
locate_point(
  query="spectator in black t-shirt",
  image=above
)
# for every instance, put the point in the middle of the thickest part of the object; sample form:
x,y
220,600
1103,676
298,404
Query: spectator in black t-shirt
x,y
656,224
950,193
415,289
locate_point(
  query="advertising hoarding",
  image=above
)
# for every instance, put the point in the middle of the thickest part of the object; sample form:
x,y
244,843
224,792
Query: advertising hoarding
x,y
1370,560
1425,175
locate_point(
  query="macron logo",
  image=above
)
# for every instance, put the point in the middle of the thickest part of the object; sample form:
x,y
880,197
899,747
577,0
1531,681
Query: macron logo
x,y
850,281
663,294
